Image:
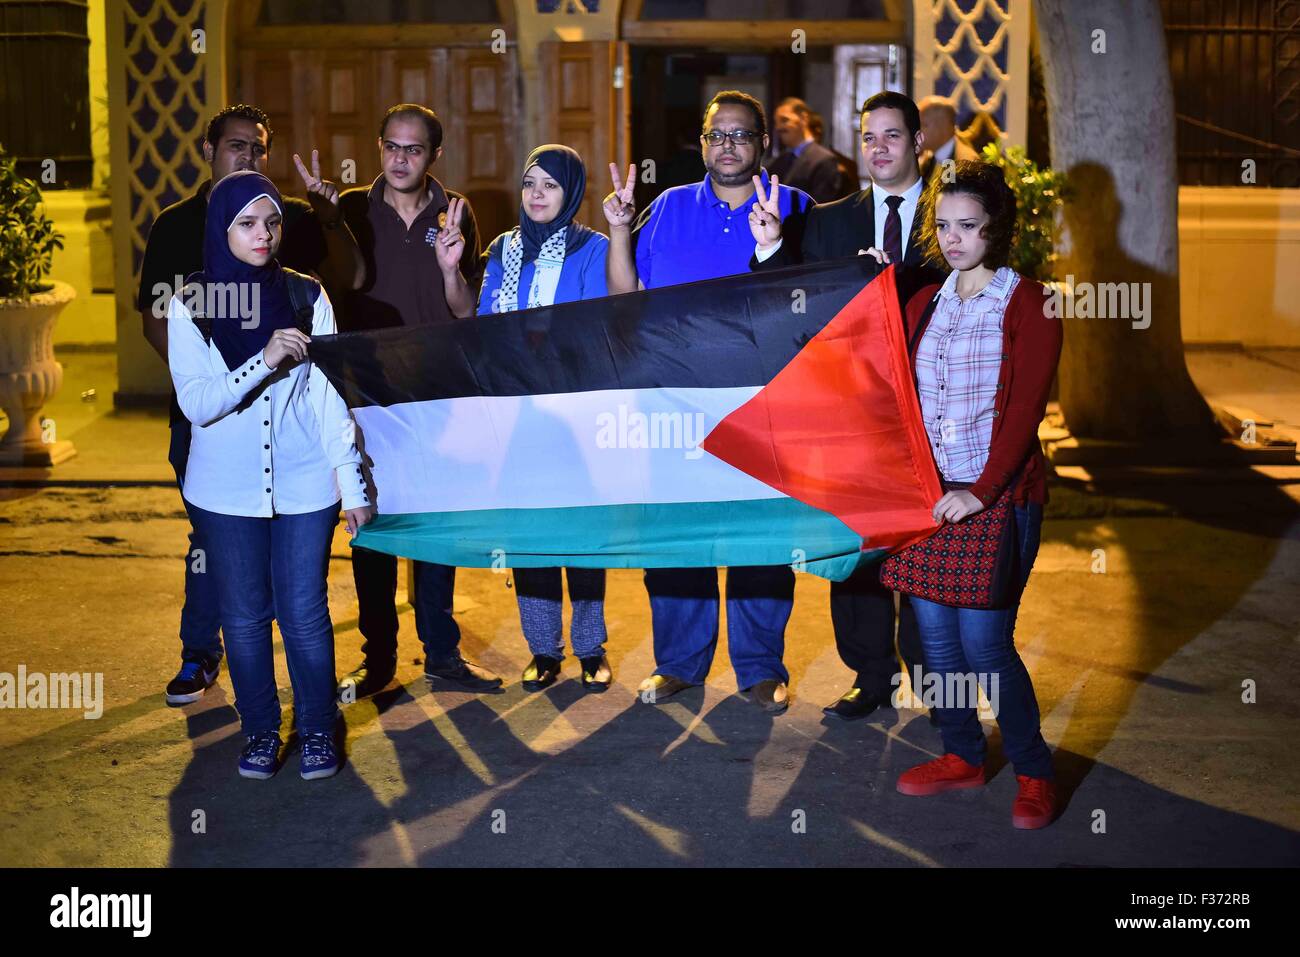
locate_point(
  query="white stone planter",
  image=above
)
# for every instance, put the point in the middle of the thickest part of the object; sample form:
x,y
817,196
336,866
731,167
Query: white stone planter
x,y
29,376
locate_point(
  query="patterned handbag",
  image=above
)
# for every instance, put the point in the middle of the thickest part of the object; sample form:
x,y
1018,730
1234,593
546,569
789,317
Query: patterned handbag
x,y
969,564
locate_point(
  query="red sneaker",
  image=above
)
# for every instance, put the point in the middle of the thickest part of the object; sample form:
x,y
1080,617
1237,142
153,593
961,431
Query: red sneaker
x,y
1036,804
942,774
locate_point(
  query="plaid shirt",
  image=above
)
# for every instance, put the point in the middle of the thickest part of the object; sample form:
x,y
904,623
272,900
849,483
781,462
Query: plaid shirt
x,y
957,365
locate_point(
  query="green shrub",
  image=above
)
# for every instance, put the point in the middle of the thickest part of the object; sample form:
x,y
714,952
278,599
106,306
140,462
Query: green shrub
x,y
1039,195
27,237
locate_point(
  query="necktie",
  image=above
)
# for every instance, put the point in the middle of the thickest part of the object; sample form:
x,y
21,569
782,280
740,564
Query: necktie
x,y
894,229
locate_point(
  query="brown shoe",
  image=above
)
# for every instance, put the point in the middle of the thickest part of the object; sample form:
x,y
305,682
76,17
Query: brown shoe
x,y
657,688
770,695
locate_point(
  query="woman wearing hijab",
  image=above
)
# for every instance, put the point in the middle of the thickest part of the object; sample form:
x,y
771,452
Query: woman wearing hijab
x,y
272,446
549,259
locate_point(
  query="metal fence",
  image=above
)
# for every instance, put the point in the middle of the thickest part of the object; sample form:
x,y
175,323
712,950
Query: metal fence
x,y
1235,66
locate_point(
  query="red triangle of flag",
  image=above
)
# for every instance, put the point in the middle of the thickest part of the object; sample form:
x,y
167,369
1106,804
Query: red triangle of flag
x,y
840,427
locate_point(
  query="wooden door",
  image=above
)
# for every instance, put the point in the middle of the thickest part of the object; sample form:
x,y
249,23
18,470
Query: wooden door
x,y
585,106
483,149
332,100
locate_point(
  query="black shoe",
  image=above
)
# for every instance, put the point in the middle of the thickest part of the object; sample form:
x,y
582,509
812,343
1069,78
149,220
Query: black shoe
x,y
541,672
196,676
596,673
366,679
462,673
855,704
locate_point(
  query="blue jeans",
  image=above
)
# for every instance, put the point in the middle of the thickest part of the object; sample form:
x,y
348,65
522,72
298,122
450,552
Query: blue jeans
x,y
684,616
200,622
275,568
541,610
962,641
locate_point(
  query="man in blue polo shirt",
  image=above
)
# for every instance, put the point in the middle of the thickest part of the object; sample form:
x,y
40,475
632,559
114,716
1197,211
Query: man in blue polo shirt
x,y
691,233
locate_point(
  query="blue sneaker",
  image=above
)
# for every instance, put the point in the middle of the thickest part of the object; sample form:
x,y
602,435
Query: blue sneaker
x,y
194,678
261,756
320,759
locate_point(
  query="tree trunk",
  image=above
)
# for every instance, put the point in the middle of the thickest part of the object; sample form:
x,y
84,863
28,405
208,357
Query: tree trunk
x,y
1112,132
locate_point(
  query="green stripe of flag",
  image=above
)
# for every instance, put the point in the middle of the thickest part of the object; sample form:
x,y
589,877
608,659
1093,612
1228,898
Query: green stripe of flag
x,y
779,531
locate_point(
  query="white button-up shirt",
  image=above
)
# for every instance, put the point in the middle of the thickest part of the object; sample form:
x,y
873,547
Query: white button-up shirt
x,y
265,441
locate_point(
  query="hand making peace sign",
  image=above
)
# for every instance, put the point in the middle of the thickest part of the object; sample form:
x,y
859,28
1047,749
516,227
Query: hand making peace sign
x,y
451,242
323,195
765,214
620,205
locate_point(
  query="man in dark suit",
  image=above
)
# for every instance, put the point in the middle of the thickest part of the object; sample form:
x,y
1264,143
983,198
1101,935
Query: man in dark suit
x,y
887,215
804,163
848,168
942,141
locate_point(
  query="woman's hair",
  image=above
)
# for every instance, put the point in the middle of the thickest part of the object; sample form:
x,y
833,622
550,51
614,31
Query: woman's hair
x,y
986,183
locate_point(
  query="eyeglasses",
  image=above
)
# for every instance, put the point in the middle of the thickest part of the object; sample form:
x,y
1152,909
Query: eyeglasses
x,y
739,137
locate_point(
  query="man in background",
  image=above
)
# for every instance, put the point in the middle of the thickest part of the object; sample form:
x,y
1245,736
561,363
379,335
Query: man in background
x,y
804,163
941,140
887,215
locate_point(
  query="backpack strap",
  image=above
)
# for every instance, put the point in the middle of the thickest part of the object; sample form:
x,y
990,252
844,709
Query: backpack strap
x,y
205,326
200,319
303,293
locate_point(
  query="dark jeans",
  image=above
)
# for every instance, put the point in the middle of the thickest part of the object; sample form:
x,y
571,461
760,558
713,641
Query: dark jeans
x,y
375,575
862,613
200,620
268,568
684,616
962,641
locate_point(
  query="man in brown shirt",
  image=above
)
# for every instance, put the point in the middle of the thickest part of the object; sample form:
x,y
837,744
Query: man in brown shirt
x,y
421,249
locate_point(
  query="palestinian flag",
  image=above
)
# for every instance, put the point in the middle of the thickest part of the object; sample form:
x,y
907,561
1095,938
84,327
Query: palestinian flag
x,y
761,419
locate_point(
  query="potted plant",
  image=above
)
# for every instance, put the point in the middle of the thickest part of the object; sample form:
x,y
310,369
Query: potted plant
x,y
1040,193
29,374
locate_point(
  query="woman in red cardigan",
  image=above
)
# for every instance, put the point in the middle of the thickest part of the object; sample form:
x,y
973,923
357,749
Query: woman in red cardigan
x,y
984,360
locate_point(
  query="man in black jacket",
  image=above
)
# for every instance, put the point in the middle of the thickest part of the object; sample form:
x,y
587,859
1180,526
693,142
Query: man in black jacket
x,y
887,215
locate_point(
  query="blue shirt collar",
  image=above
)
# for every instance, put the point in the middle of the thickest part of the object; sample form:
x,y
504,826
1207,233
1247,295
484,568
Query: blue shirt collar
x,y
709,199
